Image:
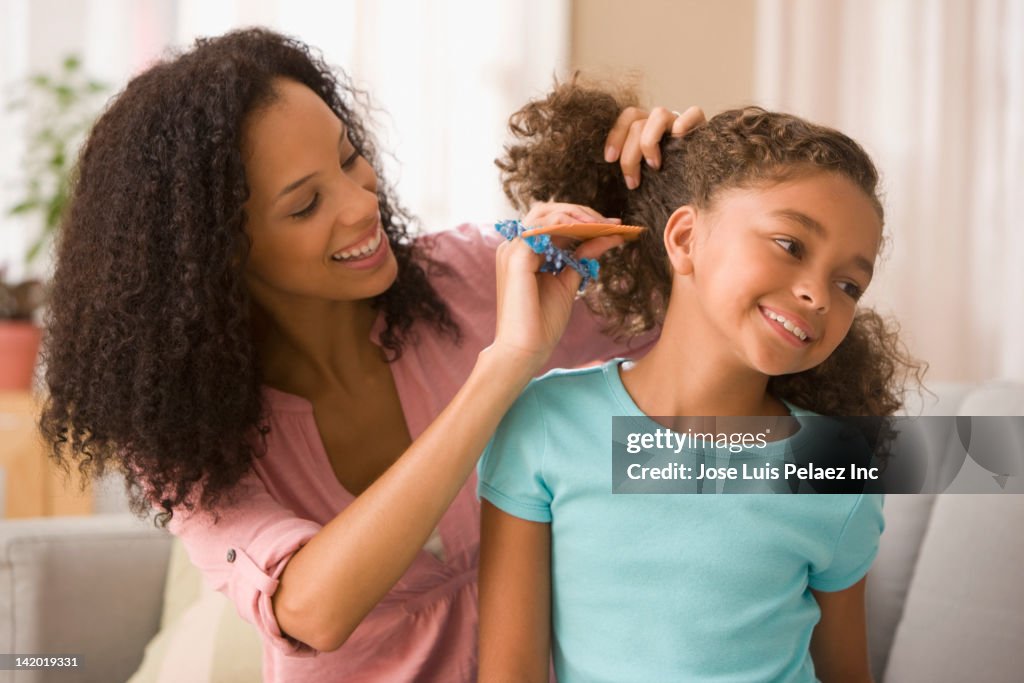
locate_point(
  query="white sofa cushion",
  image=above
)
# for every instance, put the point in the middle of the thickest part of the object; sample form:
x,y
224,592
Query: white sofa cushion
x,y
964,613
65,580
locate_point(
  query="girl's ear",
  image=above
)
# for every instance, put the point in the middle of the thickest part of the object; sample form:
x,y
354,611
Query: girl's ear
x,y
680,237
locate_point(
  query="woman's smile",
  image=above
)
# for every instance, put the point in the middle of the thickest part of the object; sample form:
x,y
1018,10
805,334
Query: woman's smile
x,y
367,252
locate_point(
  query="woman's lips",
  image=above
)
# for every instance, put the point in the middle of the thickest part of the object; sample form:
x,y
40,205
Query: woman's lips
x,y
368,252
353,249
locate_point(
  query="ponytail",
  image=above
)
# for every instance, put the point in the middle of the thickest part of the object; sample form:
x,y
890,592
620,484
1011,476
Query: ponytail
x,y
558,155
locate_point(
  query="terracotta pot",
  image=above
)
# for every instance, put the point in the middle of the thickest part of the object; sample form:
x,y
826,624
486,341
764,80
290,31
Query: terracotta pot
x,y
19,346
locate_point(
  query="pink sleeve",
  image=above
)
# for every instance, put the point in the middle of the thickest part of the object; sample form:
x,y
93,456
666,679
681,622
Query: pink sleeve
x,y
468,251
245,551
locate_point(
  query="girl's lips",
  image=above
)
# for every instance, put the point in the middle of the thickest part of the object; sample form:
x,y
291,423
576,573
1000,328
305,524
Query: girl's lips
x,y
781,330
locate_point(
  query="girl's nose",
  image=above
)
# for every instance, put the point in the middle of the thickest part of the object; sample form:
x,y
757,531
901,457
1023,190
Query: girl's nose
x,y
813,294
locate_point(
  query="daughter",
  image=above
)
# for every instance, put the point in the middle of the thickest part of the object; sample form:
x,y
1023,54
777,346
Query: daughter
x,y
763,231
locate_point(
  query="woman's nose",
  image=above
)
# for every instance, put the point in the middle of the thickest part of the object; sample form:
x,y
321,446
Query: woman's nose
x,y
357,201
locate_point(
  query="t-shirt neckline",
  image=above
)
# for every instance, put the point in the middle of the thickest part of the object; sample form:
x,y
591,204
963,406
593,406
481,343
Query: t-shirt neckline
x,y
631,409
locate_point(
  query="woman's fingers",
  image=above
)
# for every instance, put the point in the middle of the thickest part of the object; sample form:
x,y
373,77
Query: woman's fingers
x,y
637,137
576,212
554,213
658,123
687,121
631,156
598,246
620,131
569,278
593,248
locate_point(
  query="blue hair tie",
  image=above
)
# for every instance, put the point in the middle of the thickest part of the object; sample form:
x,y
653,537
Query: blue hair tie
x,y
555,259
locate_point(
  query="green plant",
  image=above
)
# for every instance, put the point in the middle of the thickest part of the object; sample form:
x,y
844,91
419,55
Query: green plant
x,y
61,107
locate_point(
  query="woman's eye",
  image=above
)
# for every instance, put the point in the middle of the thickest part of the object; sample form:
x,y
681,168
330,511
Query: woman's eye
x,y
351,160
852,290
310,208
791,246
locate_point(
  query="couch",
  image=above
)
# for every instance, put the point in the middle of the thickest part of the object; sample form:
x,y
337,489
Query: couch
x,y
945,595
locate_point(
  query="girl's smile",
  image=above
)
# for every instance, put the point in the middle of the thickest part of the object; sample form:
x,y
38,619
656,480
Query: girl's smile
x,y
789,326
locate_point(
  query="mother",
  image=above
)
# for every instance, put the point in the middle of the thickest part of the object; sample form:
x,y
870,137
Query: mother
x,y
243,327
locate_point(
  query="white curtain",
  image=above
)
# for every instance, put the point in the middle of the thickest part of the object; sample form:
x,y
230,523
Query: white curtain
x,y
934,89
444,76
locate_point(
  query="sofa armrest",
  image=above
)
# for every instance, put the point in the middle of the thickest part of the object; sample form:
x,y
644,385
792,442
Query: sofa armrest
x,y
91,586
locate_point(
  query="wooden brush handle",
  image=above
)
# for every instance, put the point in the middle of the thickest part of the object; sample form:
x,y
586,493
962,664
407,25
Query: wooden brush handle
x,y
586,231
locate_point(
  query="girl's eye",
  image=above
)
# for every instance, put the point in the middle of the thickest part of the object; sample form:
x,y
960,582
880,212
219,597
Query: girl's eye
x,y
791,246
852,290
351,160
309,209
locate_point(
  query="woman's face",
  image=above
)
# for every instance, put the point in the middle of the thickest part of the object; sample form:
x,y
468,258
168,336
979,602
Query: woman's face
x,y
778,269
312,213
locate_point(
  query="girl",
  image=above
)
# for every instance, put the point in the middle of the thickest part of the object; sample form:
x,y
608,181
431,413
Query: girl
x,y
763,234
242,326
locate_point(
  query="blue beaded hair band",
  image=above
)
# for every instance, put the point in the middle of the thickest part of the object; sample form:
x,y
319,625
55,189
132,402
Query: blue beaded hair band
x,y
555,259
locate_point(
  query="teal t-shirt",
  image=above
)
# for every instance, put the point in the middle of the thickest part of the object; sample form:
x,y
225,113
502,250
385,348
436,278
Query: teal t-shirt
x,y
667,587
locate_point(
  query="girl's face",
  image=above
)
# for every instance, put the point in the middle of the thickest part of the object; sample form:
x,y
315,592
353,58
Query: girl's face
x,y
777,270
312,213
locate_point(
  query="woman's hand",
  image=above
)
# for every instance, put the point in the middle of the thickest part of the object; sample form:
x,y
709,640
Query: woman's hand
x,y
533,307
557,213
637,134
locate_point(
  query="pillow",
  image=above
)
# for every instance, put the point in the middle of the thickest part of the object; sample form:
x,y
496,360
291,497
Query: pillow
x,y
201,636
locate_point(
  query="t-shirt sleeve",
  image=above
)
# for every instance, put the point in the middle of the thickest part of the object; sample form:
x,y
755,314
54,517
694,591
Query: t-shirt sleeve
x,y
856,546
511,470
243,552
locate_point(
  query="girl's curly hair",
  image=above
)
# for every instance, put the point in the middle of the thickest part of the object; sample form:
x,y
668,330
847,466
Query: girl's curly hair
x,y
151,362
558,155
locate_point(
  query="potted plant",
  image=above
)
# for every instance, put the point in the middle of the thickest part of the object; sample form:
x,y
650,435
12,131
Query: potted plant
x,y
19,334
61,108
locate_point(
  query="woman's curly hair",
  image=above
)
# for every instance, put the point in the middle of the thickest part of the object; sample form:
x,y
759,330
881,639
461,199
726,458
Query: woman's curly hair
x,y
558,155
151,363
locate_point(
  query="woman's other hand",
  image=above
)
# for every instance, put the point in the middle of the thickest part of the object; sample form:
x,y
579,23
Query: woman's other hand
x,y
637,134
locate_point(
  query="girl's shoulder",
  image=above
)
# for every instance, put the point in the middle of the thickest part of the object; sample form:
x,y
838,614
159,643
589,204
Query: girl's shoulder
x,y
560,380
565,391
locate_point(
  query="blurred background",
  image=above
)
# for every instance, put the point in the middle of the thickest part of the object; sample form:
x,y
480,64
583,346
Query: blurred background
x,y
934,89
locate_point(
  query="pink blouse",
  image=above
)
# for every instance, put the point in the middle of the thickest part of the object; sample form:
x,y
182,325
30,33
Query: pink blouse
x,y
425,628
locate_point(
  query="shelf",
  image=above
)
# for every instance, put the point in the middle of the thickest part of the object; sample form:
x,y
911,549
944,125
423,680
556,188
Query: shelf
x,y
32,485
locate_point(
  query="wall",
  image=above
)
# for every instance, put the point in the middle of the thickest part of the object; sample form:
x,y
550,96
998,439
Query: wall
x,y
689,51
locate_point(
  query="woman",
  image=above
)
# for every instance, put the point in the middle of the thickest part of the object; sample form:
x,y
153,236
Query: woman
x,y
242,325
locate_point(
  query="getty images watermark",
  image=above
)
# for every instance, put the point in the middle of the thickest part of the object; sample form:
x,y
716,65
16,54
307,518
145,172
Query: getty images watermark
x,y
817,454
